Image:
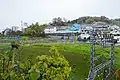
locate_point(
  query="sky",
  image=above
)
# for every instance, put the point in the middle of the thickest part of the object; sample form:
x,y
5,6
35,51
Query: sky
x,y
12,12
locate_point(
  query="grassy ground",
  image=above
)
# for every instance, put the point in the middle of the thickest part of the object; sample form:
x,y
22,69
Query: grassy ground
x,y
77,54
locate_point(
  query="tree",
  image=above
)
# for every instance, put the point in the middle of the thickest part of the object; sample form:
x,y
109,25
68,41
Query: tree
x,y
65,21
89,21
54,22
35,30
28,32
97,19
105,19
18,32
58,22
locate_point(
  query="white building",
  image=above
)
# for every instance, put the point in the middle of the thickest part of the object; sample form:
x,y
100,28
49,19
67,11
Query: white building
x,y
114,27
50,29
7,31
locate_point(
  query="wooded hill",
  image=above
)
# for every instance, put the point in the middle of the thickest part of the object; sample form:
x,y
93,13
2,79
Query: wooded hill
x,y
85,20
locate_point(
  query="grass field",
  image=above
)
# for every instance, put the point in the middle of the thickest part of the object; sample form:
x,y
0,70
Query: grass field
x,y
77,54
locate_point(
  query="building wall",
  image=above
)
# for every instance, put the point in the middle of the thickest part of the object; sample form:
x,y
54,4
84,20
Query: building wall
x,y
50,30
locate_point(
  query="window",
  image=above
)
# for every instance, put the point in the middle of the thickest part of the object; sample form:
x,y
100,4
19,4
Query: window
x,y
117,35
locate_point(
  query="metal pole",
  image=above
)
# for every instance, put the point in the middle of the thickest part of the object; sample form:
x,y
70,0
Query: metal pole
x,y
92,50
112,61
18,52
3,64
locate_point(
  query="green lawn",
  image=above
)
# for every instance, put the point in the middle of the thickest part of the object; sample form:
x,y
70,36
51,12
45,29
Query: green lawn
x,y
77,54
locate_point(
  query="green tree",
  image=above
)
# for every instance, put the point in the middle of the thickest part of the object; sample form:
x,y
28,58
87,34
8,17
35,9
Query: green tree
x,y
28,32
89,21
35,30
58,22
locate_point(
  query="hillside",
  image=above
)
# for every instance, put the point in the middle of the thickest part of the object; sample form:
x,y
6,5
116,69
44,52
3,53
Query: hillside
x,y
84,20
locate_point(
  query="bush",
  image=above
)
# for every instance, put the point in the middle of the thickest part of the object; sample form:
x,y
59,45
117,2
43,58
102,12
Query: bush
x,y
24,38
54,67
15,44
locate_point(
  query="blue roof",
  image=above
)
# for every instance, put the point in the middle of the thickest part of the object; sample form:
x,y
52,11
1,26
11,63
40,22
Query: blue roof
x,y
75,27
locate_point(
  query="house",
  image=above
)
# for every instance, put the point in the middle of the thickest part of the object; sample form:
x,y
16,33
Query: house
x,y
99,23
85,28
100,26
114,27
50,29
59,28
54,29
7,31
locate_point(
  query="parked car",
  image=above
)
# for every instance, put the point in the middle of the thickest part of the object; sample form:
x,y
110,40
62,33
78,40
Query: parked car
x,y
84,37
116,36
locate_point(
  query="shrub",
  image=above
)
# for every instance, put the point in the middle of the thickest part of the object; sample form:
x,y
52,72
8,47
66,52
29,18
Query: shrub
x,y
14,43
54,67
24,38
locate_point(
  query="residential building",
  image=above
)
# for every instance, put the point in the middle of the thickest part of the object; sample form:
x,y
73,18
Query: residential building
x,y
50,29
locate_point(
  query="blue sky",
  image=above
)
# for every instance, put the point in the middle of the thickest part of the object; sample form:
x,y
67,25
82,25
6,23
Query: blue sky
x,y
43,11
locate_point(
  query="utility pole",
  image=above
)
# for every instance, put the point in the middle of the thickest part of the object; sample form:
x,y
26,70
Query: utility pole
x,y
22,26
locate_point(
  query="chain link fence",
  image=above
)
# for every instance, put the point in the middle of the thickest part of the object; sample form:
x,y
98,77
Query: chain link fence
x,y
35,40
